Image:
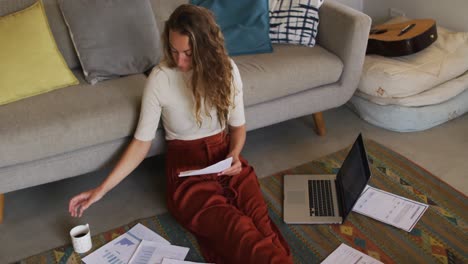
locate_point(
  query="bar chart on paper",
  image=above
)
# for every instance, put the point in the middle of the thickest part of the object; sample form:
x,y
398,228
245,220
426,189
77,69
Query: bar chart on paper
x,y
131,247
143,256
149,252
111,258
119,251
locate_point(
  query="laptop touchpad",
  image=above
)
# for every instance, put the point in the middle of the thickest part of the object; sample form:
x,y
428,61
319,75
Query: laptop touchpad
x,y
296,197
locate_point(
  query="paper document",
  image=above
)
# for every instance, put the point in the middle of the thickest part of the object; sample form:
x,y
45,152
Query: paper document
x,y
175,261
215,168
390,208
143,233
345,254
121,249
150,252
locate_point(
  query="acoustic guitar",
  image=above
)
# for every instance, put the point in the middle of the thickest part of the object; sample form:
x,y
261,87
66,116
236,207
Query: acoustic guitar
x,y
402,39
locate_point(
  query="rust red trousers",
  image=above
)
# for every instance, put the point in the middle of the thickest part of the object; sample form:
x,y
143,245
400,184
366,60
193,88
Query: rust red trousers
x,y
227,214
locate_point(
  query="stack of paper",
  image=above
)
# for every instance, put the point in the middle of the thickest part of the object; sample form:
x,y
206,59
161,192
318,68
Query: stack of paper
x,y
345,254
390,208
139,245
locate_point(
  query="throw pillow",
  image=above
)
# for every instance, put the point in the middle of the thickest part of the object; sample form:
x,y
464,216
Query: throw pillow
x,y
30,62
294,21
112,38
244,23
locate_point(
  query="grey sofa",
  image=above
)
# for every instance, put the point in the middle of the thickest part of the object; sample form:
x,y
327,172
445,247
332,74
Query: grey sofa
x,y
83,128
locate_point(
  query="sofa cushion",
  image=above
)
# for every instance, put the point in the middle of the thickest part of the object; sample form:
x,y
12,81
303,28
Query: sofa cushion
x,y
286,71
56,23
31,63
244,23
69,119
294,21
112,37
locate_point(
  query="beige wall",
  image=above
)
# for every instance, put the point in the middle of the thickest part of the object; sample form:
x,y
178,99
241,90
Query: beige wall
x,y
451,14
356,4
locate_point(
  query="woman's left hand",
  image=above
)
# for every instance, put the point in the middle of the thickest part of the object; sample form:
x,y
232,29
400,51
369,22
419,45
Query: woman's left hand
x,y
236,167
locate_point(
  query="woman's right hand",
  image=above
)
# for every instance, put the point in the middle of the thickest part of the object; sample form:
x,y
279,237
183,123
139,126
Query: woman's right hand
x,y
133,155
82,201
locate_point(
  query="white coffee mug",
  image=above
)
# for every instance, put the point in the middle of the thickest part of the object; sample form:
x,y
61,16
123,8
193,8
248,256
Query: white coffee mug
x,y
81,238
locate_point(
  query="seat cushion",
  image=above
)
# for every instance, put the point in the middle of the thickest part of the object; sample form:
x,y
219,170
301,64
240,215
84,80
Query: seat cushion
x,y
399,77
435,95
68,119
410,119
289,69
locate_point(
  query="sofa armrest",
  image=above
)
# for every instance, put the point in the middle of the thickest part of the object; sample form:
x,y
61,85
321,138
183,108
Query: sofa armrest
x,y
344,32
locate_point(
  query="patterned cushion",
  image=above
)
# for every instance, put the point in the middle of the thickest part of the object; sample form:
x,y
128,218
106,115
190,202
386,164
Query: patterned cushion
x,y
294,21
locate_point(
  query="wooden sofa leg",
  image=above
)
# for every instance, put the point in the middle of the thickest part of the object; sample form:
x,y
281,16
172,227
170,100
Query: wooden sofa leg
x,y
2,203
319,124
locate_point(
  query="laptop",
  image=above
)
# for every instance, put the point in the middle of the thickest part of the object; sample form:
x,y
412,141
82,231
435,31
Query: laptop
x,y
327,199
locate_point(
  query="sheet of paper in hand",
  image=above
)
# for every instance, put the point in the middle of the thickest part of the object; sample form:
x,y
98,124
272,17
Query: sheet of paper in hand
x,y
215,168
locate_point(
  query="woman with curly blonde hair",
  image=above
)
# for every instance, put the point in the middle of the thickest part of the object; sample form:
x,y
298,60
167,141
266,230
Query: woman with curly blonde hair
x,y
197,93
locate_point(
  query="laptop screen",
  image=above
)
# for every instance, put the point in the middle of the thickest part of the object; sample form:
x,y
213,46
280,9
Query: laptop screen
x,y
353,176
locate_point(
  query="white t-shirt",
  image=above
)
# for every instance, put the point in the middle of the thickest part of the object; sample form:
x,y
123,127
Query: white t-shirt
x,y
167,96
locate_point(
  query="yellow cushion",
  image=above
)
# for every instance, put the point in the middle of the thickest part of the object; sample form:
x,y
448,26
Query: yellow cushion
x,y
30,62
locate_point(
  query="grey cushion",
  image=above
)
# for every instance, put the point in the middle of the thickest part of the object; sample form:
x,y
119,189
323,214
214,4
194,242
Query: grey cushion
x,y
286,71
69,119
112,37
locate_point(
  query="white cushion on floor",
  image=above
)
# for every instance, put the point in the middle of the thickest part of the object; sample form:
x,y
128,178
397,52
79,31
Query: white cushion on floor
x,y
409,119
436,95
388,77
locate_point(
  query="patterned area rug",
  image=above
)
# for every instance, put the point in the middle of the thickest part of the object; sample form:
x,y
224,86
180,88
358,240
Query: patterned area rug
x,y
439,237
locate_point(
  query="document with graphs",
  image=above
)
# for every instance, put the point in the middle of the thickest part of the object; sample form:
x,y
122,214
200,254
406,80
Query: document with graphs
x,y
121,249
390,208
345,254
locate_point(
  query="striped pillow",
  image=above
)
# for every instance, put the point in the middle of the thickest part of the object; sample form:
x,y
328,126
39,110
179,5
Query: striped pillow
x,y
294,21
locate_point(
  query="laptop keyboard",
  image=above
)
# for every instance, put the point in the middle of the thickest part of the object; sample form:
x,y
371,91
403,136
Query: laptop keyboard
x,y
320,198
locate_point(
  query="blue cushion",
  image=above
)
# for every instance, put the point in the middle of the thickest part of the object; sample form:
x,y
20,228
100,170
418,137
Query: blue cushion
x,y
244,23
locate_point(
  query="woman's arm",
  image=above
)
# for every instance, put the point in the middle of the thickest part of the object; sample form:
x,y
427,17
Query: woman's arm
x,y
238,135
236,144
131,158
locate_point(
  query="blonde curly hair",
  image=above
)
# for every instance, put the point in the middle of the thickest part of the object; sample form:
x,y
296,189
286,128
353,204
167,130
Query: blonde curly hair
x,y
212,70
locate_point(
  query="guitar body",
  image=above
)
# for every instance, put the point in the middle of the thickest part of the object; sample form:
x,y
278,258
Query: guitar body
x,y
392,40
